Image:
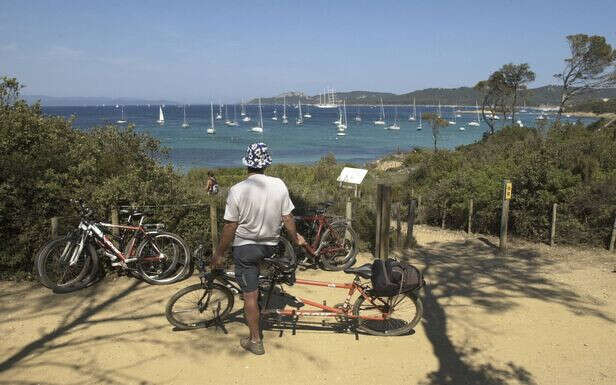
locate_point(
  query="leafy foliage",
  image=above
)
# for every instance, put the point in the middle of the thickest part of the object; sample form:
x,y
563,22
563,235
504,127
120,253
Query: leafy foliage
x,y
574,166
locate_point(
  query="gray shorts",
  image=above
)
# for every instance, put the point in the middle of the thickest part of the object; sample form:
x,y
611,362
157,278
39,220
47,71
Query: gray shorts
x,y
247,259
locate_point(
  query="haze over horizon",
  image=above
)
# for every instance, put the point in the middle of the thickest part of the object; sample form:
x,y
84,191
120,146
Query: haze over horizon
x,y
194,52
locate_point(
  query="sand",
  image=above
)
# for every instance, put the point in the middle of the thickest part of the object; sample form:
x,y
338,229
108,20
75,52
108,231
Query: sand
x,y
539,315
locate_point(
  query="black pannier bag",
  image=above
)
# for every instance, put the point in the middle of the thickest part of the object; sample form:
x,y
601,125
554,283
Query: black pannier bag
x,y
391,277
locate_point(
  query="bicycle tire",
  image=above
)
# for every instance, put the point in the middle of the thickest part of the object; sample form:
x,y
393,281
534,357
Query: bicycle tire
x,y
390,326
155,272
349,238
192,294
84,273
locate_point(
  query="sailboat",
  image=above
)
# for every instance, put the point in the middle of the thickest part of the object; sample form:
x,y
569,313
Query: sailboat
x,y
232,123
122,121
419,127
381,120
414,116
259,128
395,125
219,116
327,99
243,112
299,120
453,122
439,108
275,117
211,130
307,114
227,121
358,116
284,110
161,117
185,123
524,108
339,121
475,124
343,124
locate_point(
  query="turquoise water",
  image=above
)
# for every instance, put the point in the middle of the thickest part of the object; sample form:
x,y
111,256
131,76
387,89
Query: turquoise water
x,y
193,147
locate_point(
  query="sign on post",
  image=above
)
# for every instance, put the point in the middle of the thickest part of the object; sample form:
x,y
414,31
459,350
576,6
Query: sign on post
x,y
508,191
352,177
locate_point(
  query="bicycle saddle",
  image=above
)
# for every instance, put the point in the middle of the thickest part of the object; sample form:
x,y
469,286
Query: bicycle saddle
x,y
364,271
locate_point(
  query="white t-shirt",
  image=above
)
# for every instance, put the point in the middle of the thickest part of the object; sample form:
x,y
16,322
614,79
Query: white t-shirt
x,y
258,204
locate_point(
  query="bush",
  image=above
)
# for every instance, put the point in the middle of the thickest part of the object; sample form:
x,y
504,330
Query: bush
x,y
573,166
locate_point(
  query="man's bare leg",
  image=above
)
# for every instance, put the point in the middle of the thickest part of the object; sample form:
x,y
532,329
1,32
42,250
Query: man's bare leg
x,y
251,312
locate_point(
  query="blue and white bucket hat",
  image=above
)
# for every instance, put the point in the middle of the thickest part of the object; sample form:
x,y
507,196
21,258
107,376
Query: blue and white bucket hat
x,y
257,156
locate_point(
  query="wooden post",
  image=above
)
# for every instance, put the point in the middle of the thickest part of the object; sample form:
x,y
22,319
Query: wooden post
x,y
613,239
418,210
383,208
398,226
214,224
55,224
349,214
470,216
553,230
115,220
409,223
505,214
443,215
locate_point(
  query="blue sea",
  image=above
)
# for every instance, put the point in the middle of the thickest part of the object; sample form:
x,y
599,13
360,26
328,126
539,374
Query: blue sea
x,y
192,147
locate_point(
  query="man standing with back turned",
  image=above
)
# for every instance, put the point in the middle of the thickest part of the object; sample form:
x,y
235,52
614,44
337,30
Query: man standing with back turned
x,y
256,208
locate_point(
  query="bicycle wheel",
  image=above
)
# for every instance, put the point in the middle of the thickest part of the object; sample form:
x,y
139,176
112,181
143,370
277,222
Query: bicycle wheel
x,y
195,306
404,312
55,271
163,258
338,246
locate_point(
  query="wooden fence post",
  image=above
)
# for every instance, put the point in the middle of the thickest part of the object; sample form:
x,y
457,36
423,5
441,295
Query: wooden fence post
x,y
115,220
398,226
418,209
553,230
470,216
349,214
613,239
383,209
444,213
55,224
505,214
410,222
214,224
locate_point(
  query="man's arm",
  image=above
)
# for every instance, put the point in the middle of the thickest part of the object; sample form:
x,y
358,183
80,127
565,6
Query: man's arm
x,y
289,224
228,233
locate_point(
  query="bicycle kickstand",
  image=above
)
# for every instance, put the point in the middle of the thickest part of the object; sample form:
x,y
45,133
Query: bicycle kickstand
x,y
295,318
218,321
354,326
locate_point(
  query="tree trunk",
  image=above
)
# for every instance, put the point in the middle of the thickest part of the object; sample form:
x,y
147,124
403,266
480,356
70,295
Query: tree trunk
x,y
515,99
483,114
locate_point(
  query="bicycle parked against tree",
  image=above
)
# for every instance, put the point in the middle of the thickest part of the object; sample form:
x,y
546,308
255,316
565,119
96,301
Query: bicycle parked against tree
x,y
210,302
331,241
71,262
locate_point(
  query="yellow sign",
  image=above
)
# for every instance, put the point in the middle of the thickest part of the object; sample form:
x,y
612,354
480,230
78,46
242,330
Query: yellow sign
x,y
508,191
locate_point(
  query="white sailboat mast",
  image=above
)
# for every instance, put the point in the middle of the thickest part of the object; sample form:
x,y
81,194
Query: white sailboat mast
x,y
260,113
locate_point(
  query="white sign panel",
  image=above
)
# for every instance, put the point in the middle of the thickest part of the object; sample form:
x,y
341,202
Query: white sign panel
x,y
352,175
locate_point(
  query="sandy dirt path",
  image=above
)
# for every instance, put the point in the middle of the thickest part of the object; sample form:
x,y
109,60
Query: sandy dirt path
x,y
536,316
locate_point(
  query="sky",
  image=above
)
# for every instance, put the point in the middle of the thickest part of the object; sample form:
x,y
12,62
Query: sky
x,y
202,51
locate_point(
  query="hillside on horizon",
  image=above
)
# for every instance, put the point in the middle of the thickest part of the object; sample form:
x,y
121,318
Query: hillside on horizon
x,y
545,95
